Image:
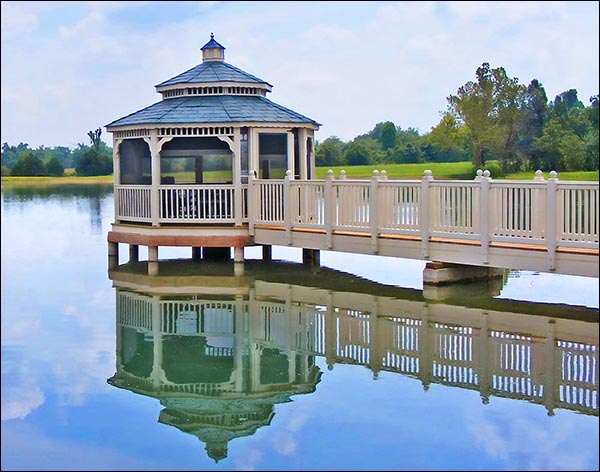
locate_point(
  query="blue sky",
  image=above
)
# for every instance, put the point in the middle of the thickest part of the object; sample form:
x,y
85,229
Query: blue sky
x,y
70,67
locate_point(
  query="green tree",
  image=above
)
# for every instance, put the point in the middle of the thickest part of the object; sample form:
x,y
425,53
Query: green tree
x,y
94,160
95,138
55,167
29,165
329,152
489,110
11,154
388,136
445,142
361,152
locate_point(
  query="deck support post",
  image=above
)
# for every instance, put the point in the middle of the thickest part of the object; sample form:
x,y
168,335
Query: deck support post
x,y
134,253
113,255
267,252
196,253
238,261
311,258
152,260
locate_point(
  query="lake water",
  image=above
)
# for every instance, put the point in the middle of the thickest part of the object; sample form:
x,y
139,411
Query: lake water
x,y
350,367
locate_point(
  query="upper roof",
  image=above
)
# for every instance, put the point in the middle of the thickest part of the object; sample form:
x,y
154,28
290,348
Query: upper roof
x,y
213,109
212,44
213,71
218,100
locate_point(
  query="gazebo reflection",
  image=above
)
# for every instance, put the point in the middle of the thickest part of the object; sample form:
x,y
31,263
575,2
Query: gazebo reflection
x,y
207,361
220,351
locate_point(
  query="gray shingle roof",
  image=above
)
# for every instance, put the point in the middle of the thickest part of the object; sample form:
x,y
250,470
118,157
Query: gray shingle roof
x,y
213,71
213,109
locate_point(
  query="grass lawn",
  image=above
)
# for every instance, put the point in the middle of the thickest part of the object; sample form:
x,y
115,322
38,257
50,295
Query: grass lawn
x,y
48,181
440,171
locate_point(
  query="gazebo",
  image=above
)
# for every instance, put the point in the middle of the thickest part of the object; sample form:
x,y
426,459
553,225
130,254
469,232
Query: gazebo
x,y
181,165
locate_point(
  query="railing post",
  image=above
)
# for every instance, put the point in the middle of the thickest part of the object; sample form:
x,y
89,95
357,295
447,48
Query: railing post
x,y
424,213
116,176
484,216
237,189
551,370
253,206
537,208
551,223
154,146
287,206
374,211
329,209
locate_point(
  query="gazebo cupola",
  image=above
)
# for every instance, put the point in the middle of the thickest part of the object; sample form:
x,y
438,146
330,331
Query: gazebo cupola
x,y
213,51
213,77
185,160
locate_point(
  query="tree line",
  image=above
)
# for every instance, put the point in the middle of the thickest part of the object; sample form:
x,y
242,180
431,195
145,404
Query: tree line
x,y
493,118
87,160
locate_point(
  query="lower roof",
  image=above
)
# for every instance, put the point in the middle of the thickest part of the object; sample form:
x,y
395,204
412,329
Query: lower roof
x,y
213,109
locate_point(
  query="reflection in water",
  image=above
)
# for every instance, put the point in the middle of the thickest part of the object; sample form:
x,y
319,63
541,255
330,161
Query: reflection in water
x,y
92,194
220,352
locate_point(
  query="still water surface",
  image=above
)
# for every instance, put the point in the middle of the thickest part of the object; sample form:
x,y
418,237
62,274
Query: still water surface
x,y
352,367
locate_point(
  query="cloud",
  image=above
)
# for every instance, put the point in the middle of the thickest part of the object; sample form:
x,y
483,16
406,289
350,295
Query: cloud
x,y
93,62
16,21
18,401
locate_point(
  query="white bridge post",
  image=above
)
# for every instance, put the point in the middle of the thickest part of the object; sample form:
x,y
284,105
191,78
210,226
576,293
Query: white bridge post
x,y
424,213
551,223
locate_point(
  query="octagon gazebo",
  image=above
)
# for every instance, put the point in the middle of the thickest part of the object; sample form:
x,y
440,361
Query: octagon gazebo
x,y
181,165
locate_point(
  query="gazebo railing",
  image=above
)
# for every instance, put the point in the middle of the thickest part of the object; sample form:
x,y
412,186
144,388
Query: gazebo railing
x,y
180,203
542,212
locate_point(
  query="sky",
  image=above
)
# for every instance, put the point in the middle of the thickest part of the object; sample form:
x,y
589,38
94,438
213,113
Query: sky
x,y
71,67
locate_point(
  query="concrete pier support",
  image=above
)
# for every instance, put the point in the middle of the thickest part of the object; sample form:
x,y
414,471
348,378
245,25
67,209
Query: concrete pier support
x,y
152,260
441,273
113,255
267,253
134,253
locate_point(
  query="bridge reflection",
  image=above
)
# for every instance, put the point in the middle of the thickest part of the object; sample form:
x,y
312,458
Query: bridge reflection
x,y
220,351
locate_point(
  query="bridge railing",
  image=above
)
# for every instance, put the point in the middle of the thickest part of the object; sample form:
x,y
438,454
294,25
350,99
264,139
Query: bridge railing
x,y
546,212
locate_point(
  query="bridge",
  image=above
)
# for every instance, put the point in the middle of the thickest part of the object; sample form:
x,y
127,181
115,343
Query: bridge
x,y
544,225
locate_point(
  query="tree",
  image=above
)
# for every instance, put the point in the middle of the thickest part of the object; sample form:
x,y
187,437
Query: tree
x,y
360,152
329,152
446,141
29,165
92,163
388,136
95,138
94,160
55,167
489,110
